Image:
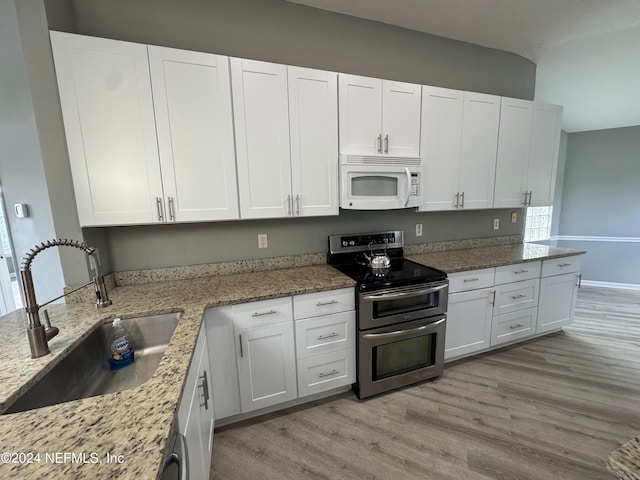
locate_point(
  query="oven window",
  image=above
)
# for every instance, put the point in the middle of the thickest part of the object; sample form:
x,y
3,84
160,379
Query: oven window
x,y
403,356
384,308
374,186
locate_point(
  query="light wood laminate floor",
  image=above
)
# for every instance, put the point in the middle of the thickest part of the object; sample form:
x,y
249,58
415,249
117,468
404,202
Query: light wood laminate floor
x,y
550,408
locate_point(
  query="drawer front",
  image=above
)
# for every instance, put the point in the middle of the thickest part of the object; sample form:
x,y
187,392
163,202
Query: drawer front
x,y
471,280
324,372
323,303
558,266
262,313
517,272
513,326
516,296
329,333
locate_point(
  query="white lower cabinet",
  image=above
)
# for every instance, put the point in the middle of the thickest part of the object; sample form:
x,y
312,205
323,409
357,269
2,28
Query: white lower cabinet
x,y
558,292
196,412
513,326
468,323
266,366
253,349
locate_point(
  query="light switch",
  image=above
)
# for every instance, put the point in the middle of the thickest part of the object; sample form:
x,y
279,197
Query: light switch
x,y
21,209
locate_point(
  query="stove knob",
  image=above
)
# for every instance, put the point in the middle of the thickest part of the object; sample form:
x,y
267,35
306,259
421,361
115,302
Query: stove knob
x,y
345,243
352,243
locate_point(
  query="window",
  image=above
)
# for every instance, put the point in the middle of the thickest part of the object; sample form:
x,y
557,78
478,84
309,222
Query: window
x,y
538,224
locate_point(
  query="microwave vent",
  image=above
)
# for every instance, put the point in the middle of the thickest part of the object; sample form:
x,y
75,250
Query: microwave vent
x,y
375,160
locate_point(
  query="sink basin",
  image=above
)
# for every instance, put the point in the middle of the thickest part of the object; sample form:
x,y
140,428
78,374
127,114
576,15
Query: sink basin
x,y
84,372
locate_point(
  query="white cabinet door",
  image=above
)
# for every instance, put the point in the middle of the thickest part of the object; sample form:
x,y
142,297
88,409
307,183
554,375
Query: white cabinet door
x,y
196,414
557,303
261,118
441,135
400,119
107,108
360,115
313,116
468,323
192,99
481,118
221,340
266,366
514,139
543,159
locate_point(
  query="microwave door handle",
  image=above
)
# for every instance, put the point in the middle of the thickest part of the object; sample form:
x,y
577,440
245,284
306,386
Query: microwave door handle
x,y
404,333
412,293
406,202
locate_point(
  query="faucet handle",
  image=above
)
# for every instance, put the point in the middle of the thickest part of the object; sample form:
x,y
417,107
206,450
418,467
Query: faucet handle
x,y
47,321
49,331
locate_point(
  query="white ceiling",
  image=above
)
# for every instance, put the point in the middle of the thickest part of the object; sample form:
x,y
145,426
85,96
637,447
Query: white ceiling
x,y
587,51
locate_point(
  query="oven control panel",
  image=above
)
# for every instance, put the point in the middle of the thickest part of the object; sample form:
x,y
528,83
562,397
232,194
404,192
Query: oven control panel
x,y
364,241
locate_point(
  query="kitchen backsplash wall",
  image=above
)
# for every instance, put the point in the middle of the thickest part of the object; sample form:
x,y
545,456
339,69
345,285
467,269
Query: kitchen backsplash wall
x,y
280,31
142,247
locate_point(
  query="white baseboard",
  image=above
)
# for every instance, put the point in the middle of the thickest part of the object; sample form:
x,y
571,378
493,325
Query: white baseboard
x,y
619,286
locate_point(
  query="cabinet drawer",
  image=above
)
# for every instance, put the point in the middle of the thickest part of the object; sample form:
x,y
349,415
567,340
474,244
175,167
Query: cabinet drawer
x,y
324,372
323,303
558,266
517,272
262,313
471,280
516,296
325,334
513,326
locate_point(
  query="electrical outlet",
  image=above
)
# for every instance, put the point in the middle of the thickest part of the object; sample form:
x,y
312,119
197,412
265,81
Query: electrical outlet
x,y
514,217
418,229
496,223
262,240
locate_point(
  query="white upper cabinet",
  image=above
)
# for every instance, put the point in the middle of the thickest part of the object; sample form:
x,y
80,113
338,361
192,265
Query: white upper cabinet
x,y
459,142
105,94
261,116
543,159
516,118
378,117
192,99
441,141
481,119
313,117
527,153
286,139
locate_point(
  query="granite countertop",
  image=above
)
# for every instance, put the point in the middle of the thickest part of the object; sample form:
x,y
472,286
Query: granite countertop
x,y
486,257
135,423
624,462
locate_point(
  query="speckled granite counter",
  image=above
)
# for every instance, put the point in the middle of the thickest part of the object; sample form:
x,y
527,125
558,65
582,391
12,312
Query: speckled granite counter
x,y
486,257
624,462
134,423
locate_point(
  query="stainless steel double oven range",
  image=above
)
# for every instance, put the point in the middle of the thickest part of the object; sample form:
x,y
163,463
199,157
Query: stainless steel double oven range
x,y
401,311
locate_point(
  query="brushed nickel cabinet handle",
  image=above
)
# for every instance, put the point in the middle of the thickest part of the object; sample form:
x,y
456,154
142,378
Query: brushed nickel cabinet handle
x,y
530,193
380,143
160,208
564,264
493,297
290,212
526,195
332,372
386,143
260,314
474,279
241,352
457,202
330,302
515,297
172,214
298,205
331,335
579,280
462,196
513,327
518,272
205,390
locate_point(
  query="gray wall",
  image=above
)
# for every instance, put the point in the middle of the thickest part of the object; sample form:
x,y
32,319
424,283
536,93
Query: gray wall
x,y
601,198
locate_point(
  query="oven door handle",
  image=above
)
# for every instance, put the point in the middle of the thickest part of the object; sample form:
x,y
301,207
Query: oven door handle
x,y
401,333
411,293
408,173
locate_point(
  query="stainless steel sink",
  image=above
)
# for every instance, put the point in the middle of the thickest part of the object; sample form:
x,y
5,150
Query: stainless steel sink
x,y
84,372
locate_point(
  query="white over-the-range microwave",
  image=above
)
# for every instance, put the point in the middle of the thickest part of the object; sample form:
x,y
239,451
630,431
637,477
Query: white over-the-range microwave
x,y
380,183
